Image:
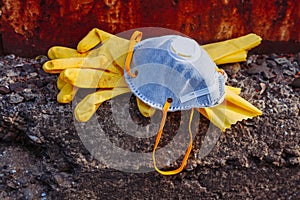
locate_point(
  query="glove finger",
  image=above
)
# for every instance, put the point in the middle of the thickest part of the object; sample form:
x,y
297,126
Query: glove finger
x,y
219,50
233,58
117,48
60,82
238,101
99,62
91,78
67,93
92,39
57,52
233,109
112,46
145,109
89,105
58,65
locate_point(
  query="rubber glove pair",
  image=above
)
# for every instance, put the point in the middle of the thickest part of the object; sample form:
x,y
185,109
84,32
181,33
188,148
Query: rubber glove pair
x,y
90,67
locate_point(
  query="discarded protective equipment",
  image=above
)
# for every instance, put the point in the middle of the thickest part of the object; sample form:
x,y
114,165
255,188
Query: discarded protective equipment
x,y
162,72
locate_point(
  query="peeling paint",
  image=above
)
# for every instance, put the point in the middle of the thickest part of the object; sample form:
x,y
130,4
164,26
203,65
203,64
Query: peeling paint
x,y
30,27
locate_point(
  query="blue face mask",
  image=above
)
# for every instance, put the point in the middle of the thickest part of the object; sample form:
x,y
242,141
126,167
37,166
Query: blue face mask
x,y
177,68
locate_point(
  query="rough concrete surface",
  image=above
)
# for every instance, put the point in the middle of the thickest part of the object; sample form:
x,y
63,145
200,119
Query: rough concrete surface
x,y
43,157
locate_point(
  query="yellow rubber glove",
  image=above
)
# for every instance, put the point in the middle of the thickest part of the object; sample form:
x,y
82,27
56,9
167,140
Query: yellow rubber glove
x,y
90,67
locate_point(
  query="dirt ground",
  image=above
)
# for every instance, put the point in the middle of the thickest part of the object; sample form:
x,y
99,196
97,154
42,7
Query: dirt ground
x,y
44,156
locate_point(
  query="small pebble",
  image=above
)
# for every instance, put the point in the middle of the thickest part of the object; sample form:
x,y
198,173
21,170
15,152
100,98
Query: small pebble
x,y
295,64
286,133
288,72
296,83
11,73
33,74
260,60
13,171
281,61
10,56
28,194
43,194
4,90
34,138
263,88
190,166
285,66
271,63
15,98
28,68
294,160
17,87
269,75
261,69
19,65
293,68
28,94
42,59
273,56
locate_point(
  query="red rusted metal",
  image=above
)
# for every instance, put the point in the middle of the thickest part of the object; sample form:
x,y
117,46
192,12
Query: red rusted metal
x,y
30,27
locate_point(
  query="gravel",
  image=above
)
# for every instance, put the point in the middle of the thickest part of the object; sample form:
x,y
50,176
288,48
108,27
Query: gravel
x,y
42,155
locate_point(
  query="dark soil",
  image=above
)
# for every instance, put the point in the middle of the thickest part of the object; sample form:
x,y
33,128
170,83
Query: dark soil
x,y
43,156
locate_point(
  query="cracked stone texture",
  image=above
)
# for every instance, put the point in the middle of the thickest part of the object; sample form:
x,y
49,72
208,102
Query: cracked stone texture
x,y
42,155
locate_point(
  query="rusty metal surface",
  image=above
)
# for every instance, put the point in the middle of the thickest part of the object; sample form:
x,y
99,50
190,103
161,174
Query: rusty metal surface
x,y
30,27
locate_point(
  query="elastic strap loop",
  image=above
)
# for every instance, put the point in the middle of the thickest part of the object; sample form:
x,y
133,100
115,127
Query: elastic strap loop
x,y
159,134
221,71
135,38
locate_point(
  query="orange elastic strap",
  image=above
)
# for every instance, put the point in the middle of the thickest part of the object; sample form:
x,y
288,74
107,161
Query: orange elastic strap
x,y
159,133
220,70
135,38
